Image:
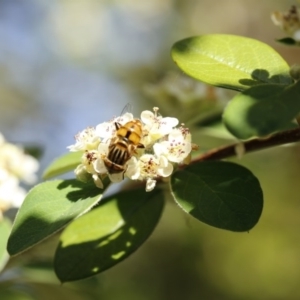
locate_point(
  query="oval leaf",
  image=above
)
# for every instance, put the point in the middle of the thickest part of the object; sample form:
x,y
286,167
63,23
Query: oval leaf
x,y
5,228
230,61
220,194
108,234
49,207
63,164
288,41
261,110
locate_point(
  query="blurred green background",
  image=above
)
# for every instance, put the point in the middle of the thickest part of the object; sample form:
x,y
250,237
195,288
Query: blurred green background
x,y
69,64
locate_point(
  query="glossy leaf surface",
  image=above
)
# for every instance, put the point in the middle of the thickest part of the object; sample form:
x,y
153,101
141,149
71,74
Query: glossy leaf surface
x,y
63,164
49,207
108,234
262,110
230,61
220,194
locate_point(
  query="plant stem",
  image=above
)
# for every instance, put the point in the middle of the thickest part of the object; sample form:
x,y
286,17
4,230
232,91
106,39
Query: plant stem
x,y
276,139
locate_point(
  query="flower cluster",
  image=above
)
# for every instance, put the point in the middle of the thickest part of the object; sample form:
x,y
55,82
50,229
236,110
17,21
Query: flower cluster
x,y
185,96
288,21
139,149
15,166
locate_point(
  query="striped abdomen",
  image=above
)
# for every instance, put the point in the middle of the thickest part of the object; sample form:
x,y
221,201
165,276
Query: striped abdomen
x,y
117,157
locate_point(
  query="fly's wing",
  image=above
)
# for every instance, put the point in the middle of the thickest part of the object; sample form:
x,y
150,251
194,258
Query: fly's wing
x,y
125,116
127,109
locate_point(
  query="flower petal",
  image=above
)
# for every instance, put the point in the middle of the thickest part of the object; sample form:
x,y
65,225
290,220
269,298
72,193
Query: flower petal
x,y
133,170
116,177
147,117
98,181
150,184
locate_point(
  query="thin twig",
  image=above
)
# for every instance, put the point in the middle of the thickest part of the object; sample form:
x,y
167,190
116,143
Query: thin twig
x,y
276,139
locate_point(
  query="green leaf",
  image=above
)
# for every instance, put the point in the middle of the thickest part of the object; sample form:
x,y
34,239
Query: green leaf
x,y
34,150
63,164
220,194
5,228
229,61
288,41
108,234
49,207
261,110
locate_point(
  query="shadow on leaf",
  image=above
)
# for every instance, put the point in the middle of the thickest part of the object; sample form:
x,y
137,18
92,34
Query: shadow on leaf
x,y
48,208
261,76
263,109
82,190
110,244
35,229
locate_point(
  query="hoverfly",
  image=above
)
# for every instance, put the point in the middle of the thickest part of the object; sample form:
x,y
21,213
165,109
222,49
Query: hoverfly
x,y
123,145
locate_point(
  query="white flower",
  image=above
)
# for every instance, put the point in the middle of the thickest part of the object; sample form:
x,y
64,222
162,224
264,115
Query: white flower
x,y
156,126
81,173
98,164
11,194
176,148
15,165
150,184
85,140
123,119
288,21
162,145
98,181
15,162
116,177
87,167
87,160
148,167
106,130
